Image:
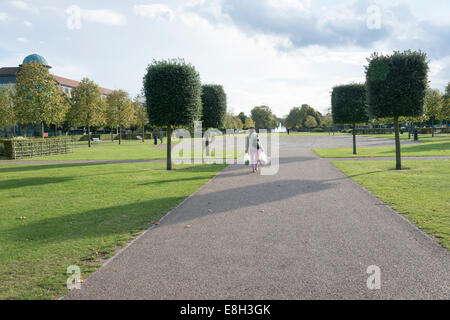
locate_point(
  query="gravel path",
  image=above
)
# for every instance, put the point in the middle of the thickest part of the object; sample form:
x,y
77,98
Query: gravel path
x,y
308,232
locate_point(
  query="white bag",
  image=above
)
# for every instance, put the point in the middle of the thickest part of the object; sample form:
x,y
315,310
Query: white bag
x,y
263,158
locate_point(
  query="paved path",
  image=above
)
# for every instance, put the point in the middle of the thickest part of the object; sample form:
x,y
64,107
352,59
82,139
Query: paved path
x,y
315,239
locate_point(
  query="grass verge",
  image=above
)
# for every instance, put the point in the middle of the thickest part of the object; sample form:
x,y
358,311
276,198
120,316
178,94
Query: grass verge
x,y
437,146
420,193
54,216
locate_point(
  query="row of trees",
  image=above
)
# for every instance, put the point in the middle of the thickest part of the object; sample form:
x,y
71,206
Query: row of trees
x,y
36,99
396,89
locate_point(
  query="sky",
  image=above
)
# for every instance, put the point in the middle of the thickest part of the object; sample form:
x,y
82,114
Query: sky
x,y
280,53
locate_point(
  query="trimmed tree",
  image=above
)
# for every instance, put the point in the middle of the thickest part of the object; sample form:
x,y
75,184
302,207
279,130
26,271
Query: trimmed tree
x,y
214,108
141,116
88,108
348,105
433,106
173,91
121,108
396,86
37,98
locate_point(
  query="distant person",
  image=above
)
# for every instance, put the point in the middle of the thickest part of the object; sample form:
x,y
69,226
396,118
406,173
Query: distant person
x,y
155,139
253,147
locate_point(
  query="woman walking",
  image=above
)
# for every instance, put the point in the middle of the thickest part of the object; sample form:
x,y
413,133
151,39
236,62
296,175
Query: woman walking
x,y
253,148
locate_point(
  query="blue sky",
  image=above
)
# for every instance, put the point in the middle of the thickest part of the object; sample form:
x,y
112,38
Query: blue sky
x,y
281,53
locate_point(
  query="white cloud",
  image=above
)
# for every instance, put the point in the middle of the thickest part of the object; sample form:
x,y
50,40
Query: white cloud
x,y
20,39
28,24
3,16
19,4
107,17
159,11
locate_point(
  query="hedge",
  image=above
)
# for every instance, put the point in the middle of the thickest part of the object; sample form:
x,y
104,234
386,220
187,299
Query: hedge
x,y
32,147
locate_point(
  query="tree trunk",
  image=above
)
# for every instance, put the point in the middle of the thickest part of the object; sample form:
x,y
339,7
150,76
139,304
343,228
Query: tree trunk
x,y
42,129
14,130
112,138
89,136
432,127
354,138
169,148
409,131
398,158
120,135
143,134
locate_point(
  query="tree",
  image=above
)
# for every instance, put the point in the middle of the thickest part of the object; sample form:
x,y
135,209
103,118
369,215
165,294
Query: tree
x,y
173,96
306,111
310,122
122,109
348,105
249,123
433,106
88,108
7,112
294,119
263,117
396,86
214,106
445,110
37,98
141,116
327,121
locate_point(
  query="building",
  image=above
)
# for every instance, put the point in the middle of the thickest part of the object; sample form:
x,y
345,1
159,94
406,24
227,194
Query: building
x,y
8,77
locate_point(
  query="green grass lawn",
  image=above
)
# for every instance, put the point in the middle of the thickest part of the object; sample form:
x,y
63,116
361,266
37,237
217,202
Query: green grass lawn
x,y
404,136
54,216
437,146
420,193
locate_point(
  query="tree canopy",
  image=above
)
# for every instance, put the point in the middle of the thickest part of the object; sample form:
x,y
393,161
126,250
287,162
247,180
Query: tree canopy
x,y
7,112
172,90
263,118
348,104
214,106
396,84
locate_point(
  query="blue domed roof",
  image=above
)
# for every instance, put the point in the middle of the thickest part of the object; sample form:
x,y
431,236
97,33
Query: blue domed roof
x,y
35,58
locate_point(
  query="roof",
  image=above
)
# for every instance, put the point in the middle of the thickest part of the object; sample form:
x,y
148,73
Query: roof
x,y
73,84
9,71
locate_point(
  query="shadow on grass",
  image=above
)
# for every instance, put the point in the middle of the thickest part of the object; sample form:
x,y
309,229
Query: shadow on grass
x,y
138,216
423,147
29,182
33,167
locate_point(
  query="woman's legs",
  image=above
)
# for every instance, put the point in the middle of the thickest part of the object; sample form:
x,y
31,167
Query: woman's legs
x,y
254,159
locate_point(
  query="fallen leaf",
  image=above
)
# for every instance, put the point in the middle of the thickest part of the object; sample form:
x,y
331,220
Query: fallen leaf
x,y
210,211
188,226
261,211
157,223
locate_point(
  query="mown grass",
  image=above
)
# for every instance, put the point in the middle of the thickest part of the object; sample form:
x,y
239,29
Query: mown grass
x,y
53,216
437,146
420,193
